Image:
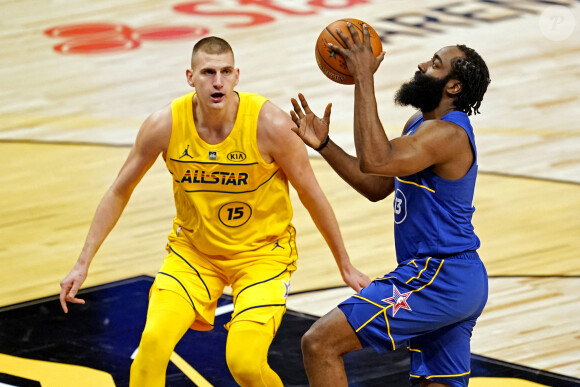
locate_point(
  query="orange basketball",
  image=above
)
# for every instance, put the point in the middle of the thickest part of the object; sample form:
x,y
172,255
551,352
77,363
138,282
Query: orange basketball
x,y
332,64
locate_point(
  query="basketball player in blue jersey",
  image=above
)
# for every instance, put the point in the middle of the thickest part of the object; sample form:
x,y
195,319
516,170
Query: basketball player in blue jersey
x,y
431,300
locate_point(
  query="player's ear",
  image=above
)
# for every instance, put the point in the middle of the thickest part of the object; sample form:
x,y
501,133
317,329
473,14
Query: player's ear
x,y
453,87
237,77
189,76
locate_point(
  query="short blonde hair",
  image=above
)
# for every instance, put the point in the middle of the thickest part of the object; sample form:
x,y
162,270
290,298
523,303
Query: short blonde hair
x,y
211,45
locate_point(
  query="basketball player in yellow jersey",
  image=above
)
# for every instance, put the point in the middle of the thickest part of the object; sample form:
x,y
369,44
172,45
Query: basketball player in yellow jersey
x,y
231,156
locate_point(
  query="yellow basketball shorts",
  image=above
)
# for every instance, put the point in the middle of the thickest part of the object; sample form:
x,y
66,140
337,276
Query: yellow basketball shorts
x,y
260,279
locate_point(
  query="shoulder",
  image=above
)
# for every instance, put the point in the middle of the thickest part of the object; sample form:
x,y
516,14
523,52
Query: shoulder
x,y
453,123
439,128
442,137
276,141
160,120
156,129
272,118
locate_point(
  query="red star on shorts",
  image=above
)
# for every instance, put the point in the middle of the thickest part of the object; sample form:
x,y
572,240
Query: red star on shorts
x,y
398,300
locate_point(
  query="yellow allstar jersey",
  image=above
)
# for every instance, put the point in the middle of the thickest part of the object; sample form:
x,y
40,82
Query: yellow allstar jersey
x,y
229,201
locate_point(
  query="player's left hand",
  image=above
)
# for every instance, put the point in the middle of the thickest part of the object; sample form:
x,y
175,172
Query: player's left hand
x,y
309,127
354,278
358,55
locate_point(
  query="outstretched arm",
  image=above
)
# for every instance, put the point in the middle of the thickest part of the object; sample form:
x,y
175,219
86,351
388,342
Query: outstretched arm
x,y
289,152
314,131
152,139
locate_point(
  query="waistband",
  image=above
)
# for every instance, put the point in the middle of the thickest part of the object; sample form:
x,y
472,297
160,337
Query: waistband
x,y
468,255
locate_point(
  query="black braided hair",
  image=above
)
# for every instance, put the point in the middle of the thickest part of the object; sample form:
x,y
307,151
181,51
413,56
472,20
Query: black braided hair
x,y
473,74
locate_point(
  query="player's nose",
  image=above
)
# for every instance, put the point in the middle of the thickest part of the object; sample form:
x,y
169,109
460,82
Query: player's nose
x,y
218,80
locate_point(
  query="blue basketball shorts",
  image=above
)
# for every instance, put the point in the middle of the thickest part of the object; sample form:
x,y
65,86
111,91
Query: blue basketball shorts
x,y
429,305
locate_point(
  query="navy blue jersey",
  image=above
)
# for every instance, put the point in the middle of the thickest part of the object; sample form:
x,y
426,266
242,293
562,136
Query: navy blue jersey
x,y
432,214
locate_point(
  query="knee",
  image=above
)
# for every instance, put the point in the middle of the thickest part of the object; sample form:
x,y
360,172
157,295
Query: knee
x,y
150,364
154,347
244,369
313,341
247,354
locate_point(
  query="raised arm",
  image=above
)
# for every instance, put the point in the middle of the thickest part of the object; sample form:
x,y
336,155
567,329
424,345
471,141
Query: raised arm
x,y
435,143
282,146
314,132
152,139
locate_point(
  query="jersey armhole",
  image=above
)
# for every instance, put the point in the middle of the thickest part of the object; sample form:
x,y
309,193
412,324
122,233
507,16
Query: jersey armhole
x,y
254,138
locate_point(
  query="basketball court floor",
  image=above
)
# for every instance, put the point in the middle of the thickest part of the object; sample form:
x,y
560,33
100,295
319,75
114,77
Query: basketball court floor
x,y
79,77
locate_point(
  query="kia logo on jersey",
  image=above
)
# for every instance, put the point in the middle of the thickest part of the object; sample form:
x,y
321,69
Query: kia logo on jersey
x,y
236,156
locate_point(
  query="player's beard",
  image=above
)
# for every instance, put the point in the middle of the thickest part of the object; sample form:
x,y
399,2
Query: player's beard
x,y
423,92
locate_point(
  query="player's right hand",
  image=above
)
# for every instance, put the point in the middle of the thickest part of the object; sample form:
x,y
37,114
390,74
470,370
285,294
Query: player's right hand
x,y
358,54
69,287
310,128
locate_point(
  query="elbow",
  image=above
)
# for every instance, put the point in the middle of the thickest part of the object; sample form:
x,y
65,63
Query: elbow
x,y
375,191
373,185
371,197
375,195
375,198
121,194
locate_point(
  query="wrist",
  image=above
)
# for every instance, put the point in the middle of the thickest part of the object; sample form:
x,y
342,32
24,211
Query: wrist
x,y
323,144
364,81
344,264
